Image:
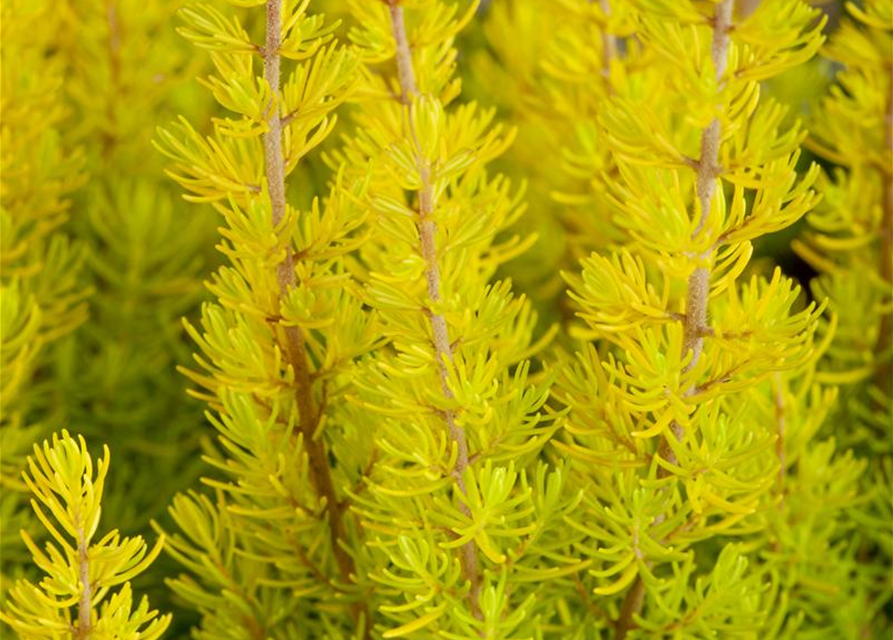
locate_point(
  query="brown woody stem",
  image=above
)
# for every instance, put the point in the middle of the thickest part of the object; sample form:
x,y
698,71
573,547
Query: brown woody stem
x,y
609,40
694,326
85,606
427,229
309,417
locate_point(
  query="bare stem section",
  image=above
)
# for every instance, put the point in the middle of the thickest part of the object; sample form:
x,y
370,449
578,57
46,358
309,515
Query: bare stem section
x,y
405,72
609,40
632,605
694,326
285,275
85,606
427,232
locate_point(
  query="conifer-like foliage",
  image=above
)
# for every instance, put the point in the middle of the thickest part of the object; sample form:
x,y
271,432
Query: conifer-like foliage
x,y
531,319
41,299
75,598
851,240
851,229
145,248
274,553
674,439
458,512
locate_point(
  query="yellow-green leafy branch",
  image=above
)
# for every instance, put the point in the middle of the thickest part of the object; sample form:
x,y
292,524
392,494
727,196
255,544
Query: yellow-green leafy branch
x,y
694,325
285,274
60,476
443,349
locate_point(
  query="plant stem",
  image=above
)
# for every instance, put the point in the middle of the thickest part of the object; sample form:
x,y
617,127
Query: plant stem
x,y
609,40
632,605
694,326
285,275
427,232
85,606
403,54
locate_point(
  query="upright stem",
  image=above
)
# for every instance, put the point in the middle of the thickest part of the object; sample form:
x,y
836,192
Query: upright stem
x,y
403,53
294,336
694,326
632,605
427,230
85,606
609,40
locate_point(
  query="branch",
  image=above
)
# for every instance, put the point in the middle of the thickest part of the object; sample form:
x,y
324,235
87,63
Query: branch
x,y
427,230
294,336
85,607
609,40
694,326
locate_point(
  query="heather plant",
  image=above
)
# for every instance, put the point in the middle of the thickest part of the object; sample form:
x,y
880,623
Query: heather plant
x,y
487,352
132,252
676,424
850,231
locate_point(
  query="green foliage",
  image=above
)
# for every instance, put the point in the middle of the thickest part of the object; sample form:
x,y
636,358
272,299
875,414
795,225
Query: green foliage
x,y
850,240
849,231
504,340
455,505
41,298
80,573
145,248
278,345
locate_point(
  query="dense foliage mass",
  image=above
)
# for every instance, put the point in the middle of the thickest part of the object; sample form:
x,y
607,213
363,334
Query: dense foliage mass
x,y
521,319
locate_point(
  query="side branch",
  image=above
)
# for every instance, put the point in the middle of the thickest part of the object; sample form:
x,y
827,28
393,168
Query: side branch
x,y
285,275
427,230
